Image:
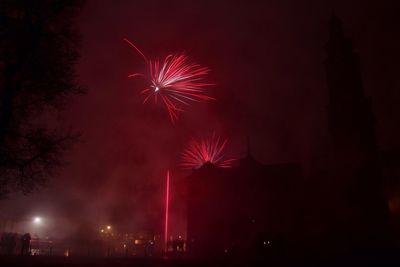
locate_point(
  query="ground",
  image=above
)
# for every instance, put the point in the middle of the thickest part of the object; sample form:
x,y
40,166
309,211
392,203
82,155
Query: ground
x,y
50,261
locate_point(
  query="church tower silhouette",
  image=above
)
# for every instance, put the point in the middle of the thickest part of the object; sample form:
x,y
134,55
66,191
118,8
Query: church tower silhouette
x,y
359,212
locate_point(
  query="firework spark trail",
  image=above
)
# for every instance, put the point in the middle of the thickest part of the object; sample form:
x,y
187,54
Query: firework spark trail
x,y
166,214
137,49
199,152
175,80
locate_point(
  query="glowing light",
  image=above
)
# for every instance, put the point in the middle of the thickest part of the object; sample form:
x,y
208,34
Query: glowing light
x,y
210,150
175,80
166,213
37,220
102,230
108,227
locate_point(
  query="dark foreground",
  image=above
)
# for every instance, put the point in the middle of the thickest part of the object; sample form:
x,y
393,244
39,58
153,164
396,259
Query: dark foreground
x,y
50,261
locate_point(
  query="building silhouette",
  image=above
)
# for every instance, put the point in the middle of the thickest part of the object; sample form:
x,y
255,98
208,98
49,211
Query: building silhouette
x,y
358,204
242,210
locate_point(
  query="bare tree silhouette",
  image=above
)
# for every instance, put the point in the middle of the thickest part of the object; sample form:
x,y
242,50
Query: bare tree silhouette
x,y
38,53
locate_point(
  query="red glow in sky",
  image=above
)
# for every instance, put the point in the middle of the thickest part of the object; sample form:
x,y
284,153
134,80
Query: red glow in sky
x,y
266,58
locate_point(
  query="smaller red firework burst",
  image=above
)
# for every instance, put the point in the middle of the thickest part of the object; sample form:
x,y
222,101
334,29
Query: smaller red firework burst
x,y
201,151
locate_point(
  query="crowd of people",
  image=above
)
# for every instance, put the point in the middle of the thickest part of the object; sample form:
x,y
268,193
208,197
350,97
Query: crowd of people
x,y
12,243
22,244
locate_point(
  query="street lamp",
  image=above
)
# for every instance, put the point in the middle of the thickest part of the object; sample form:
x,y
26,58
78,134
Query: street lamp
x,y
37,220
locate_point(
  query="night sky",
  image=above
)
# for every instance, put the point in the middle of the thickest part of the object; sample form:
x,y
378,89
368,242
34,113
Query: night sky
x,y
267,63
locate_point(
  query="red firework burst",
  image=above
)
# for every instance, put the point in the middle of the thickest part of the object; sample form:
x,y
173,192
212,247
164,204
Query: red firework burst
x,y
210,150
175,80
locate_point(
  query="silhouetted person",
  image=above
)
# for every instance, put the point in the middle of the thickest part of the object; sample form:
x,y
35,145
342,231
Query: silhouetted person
x,y
180,244
8,243
175,245
262,247
149,248
13,242
3,243
25,243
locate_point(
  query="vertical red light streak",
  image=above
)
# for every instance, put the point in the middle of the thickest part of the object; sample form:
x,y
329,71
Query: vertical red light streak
x,y
166,214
